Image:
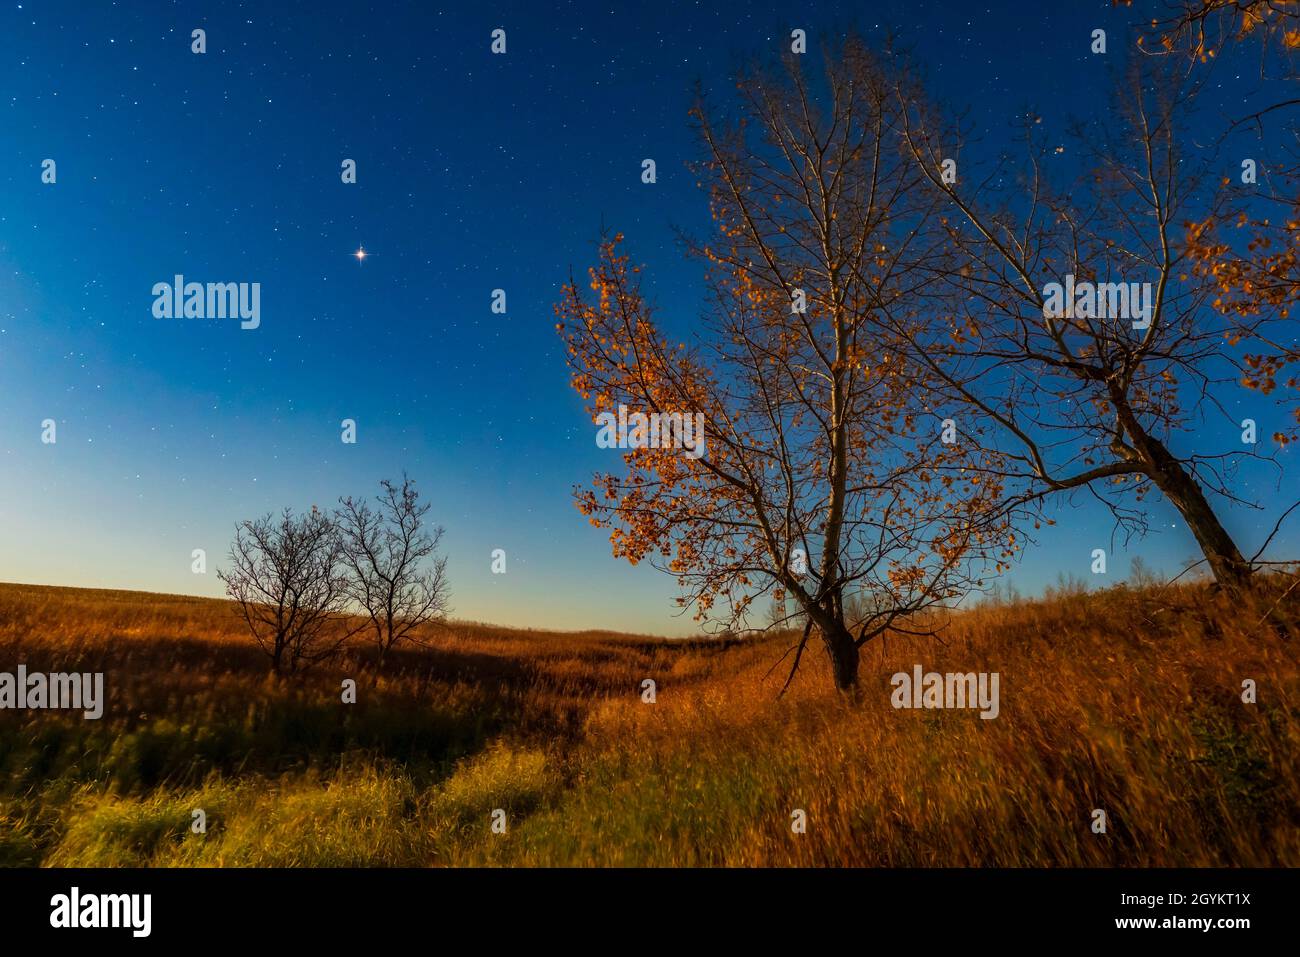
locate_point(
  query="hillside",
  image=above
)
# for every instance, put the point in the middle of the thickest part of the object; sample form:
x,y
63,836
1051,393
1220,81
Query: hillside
x,y
1125,700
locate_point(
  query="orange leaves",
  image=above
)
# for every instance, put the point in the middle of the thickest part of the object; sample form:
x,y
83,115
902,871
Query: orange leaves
x,y
908,576
1254,288
619,362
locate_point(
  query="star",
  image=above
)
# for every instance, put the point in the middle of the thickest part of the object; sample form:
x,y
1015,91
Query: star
x,y
361,254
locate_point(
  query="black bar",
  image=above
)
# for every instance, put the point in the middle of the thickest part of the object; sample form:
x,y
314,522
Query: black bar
x,y
534,908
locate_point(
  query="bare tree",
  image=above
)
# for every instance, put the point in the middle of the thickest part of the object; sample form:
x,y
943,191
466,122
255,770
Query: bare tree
x,y
286,576
1039,335
394,572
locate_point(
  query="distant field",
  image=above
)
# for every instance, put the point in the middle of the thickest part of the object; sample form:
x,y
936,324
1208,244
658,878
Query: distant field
x,y
1127,701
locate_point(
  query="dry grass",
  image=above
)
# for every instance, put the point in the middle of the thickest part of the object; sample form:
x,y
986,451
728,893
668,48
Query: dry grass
x,y
1124,700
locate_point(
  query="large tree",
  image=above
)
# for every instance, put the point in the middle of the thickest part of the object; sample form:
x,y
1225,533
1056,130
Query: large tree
x,y
825,476
1072,317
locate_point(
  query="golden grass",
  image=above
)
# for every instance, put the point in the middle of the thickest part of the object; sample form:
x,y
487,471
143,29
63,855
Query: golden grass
x,y
1124,700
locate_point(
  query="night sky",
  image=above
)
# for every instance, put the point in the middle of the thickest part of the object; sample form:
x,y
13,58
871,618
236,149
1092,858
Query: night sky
x,y
475,172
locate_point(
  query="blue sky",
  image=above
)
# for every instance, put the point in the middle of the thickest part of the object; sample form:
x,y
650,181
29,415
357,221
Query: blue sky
x,y
475,172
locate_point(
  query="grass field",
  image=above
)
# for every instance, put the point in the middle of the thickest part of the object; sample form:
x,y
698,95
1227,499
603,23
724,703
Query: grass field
x,y
1123,700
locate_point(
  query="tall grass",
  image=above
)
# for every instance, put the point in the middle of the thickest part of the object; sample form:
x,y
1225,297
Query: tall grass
x,y
1127,701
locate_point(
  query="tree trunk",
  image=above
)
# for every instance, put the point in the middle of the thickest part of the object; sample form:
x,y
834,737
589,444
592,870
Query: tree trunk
x,y
844,656
1230,568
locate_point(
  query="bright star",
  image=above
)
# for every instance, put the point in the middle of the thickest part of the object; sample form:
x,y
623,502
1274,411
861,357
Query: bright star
x,y
361,254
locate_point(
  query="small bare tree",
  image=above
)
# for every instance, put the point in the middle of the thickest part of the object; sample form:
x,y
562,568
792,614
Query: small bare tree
x,y
286,576
394,572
